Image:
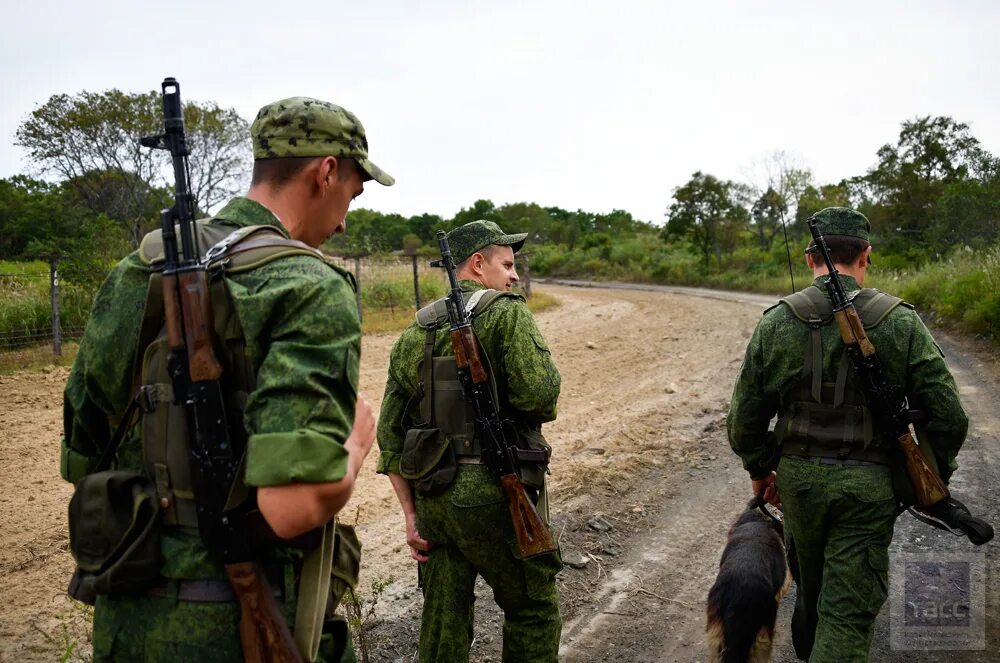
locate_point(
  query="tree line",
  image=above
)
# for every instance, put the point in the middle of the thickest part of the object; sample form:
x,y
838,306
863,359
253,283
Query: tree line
x,y
931,189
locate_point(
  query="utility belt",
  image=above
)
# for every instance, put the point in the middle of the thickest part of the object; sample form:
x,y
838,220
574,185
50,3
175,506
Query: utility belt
x,y
469,453
835,455
430,459
221,591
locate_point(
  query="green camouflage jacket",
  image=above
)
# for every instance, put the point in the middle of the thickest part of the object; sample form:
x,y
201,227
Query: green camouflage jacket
x,y
773,365
516,351
303,338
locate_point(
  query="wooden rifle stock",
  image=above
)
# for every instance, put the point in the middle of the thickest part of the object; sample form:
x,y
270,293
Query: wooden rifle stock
x,y
533,535
463,341
199,330
264,634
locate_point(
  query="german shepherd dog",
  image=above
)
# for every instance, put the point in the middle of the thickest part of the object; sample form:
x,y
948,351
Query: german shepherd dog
x,y
753,578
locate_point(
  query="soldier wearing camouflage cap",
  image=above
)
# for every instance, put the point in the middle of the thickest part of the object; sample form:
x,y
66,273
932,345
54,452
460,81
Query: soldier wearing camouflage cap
x,y
458,526
292,346
834,480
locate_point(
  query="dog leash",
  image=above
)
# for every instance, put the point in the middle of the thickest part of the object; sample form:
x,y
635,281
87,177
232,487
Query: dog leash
x,y
762,505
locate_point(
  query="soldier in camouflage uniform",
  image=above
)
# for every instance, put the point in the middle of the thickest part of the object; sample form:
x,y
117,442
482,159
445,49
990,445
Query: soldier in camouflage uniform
x,y
834,479
308,431
458,525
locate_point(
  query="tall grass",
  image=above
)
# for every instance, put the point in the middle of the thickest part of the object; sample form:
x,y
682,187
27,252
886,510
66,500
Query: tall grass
x,y
963,289
387,300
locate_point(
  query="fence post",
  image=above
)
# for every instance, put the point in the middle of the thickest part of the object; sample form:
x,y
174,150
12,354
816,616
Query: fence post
x,y
54,289
416,281
357,278
526,277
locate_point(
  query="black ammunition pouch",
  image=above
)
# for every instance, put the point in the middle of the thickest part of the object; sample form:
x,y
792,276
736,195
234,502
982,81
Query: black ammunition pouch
x,y
114,535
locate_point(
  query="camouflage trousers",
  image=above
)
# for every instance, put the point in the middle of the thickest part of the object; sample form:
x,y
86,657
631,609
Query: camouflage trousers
x,y
838,526
156,629
472,533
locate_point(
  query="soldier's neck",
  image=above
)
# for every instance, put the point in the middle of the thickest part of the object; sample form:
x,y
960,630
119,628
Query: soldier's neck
x,y
844,270
283,204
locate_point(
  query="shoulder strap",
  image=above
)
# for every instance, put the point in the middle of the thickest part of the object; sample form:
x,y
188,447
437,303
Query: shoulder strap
x,y
874,306
240,250
810,306
435,314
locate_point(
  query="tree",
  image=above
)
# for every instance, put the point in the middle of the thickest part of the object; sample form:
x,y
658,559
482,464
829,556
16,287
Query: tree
x,y
40,219
92,139
768,215
481,210
778,184
707,211
812,200
909,178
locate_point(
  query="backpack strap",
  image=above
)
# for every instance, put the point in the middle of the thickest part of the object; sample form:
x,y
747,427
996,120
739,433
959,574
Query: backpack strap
x,y
874,306
435,314
813,308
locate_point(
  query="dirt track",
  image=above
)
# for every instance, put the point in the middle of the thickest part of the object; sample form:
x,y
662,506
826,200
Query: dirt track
x,y
646,380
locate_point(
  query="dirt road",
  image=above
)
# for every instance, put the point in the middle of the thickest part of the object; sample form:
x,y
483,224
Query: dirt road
x,y
639,443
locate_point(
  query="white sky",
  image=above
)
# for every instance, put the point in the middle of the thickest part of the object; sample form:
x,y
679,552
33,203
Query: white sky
x,y
577,104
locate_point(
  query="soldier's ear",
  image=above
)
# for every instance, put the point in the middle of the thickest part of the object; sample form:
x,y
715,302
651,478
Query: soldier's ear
x,y
326,172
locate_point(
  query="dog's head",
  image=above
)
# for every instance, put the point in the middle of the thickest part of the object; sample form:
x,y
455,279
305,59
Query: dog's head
x,y
754,513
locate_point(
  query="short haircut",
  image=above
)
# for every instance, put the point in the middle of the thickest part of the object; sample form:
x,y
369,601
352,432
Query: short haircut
x,y
487,253
280,171
844,249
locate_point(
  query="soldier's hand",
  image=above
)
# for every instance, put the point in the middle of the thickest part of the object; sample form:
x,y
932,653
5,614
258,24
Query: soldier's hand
x,y
363,433
419,546
770,490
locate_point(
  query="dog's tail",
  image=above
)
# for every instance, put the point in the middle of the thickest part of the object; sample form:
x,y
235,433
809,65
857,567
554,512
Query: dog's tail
x,y
739,615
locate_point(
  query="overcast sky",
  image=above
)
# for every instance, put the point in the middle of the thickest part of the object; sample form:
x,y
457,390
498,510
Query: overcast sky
x,y
577,104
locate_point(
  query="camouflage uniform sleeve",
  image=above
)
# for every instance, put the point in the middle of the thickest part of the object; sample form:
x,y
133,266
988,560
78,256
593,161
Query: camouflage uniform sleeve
x,y
533,381
393,414
752,408
97,391
932,389
302,409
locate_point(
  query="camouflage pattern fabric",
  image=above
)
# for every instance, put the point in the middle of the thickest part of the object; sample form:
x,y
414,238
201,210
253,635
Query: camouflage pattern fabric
x,y
154,629
518,355
839,518
838,525
306,127
469,523
472,533
843,221
304,340
477,235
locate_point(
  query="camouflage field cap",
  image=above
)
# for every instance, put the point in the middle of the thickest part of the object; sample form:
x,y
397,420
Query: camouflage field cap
x,y
843,221
306,127
475,235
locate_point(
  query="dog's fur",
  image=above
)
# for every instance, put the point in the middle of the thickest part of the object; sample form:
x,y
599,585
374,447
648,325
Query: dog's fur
x,y
743,602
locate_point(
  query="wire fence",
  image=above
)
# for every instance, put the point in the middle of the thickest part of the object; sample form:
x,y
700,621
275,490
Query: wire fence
x,y
33,303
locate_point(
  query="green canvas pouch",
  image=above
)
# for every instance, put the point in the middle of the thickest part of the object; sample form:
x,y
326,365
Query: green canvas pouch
x,y
114,535
428,461
346,564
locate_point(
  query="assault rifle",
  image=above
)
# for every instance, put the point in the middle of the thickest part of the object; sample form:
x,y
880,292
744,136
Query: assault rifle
x,y
495,433
889,410
195,374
